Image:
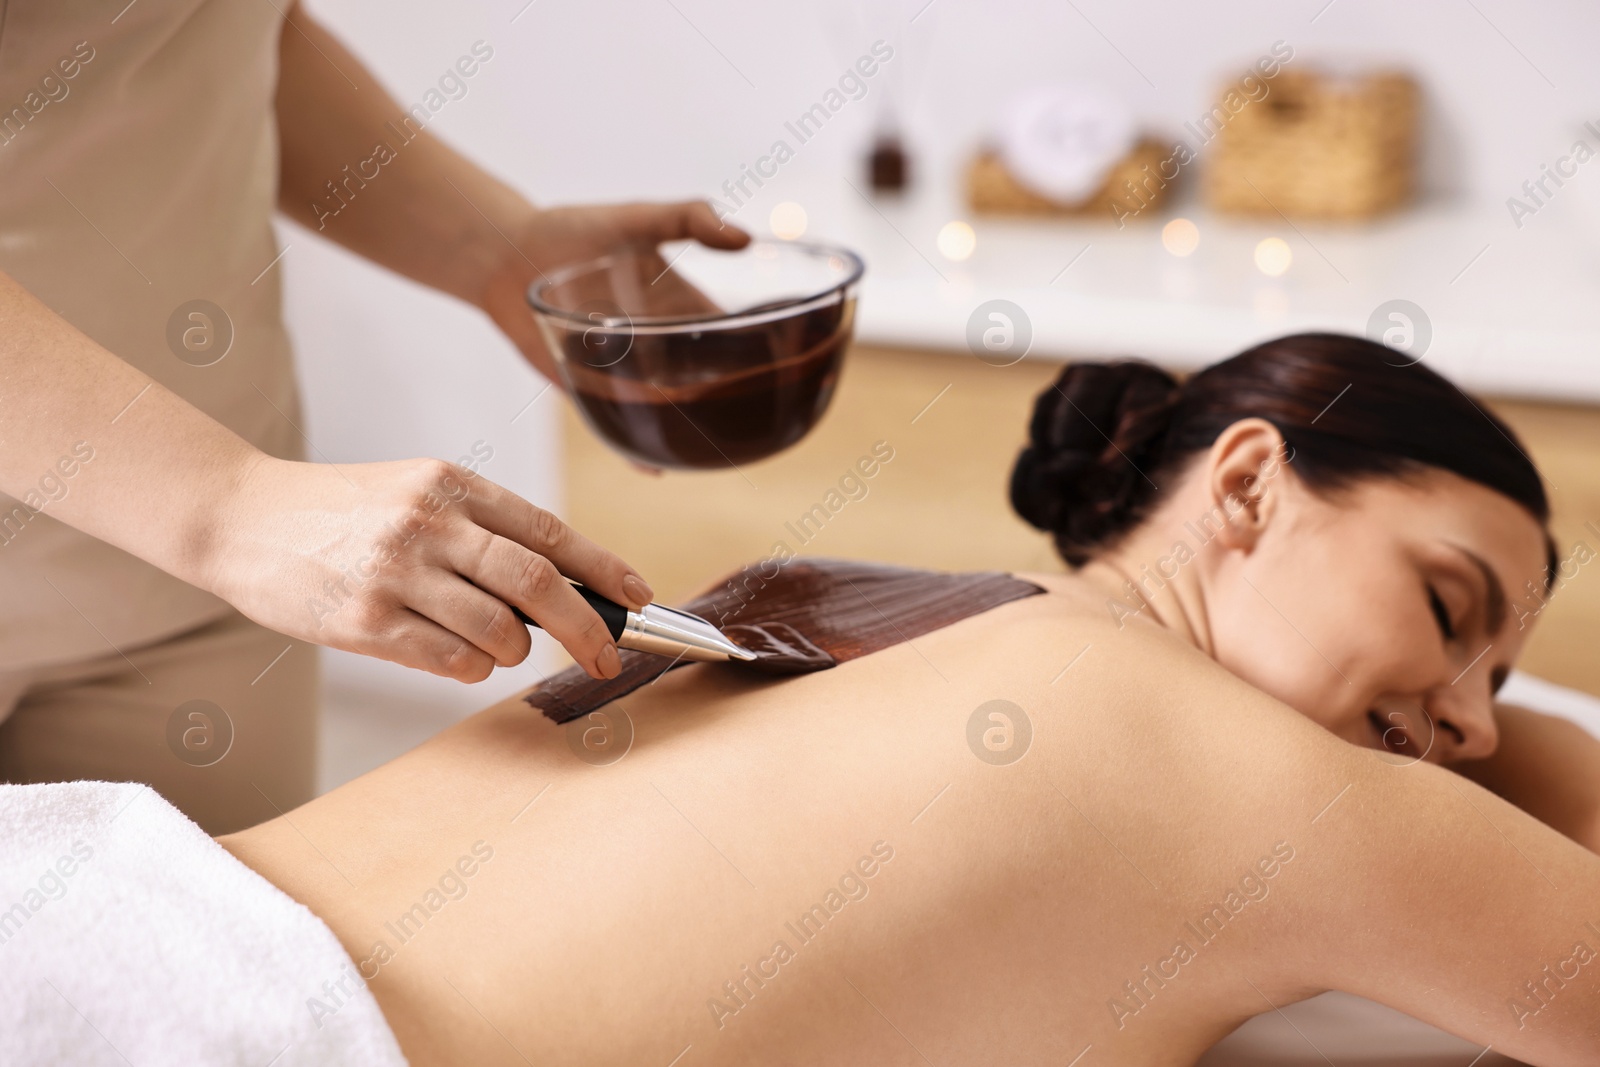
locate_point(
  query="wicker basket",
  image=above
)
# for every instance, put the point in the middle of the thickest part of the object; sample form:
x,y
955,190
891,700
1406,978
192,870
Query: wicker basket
x,y
991,189
1318,147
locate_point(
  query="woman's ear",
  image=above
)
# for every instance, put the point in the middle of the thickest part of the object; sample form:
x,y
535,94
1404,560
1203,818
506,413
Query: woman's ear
x,y
1244,463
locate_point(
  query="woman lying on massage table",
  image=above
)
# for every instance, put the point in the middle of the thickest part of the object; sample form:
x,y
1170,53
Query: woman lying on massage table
x,y
1298,581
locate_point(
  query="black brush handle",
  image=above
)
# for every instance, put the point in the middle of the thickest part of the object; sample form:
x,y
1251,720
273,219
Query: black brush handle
x,y
614,615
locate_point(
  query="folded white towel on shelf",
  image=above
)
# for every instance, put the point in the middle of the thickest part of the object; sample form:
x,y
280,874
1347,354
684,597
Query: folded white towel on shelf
x,y
1061,141
129,936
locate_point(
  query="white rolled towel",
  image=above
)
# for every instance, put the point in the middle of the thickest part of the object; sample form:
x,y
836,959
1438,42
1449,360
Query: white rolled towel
x,y
1061,141
129,936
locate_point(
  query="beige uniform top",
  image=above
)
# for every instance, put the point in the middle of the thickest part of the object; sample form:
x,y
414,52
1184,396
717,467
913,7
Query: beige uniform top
x,y
138,173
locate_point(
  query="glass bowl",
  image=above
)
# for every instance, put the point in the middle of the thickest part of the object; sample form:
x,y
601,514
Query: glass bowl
x,y
696,358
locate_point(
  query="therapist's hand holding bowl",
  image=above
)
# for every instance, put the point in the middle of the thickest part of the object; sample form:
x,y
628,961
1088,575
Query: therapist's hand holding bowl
x,y
561,236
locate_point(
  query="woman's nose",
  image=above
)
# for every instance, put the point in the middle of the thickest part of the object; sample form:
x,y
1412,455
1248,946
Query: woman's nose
x,y
1463,716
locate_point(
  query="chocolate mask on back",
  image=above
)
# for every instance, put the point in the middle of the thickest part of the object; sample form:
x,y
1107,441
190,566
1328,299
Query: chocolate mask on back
x,y
808,616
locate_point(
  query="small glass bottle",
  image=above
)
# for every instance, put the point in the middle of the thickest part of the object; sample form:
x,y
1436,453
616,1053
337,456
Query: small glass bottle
x,y
889,168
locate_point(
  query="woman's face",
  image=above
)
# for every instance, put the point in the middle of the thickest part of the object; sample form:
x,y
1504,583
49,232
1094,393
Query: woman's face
x,y
1389,613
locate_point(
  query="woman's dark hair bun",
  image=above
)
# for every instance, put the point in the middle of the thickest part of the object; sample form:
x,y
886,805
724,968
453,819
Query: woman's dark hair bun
x,y
1094,440
1104,436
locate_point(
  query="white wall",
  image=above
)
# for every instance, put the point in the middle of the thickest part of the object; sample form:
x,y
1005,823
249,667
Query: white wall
x,y
617,98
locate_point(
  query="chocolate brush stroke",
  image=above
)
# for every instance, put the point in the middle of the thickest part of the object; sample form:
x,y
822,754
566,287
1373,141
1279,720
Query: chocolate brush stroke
x,y
811,615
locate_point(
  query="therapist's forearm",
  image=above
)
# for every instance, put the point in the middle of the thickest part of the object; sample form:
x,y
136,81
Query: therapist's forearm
x,y
158,467
427,213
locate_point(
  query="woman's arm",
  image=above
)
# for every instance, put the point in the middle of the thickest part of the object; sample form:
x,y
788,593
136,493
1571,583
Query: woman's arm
x,y
1455,907
1409,884
1547,766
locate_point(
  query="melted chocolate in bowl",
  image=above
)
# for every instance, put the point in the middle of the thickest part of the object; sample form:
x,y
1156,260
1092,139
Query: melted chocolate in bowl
x,y
714,398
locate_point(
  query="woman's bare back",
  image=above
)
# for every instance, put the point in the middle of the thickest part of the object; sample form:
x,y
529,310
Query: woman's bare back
x,y
1030,835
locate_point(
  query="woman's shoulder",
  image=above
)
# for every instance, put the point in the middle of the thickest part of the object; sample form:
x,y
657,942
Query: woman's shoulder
x,y
1395,863
1076,638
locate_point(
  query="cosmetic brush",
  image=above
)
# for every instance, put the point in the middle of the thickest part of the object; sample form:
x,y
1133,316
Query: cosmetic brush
x,y
660,630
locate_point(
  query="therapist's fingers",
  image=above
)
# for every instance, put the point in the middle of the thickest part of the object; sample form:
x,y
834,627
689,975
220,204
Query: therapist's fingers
x,y
469,612
672,293
663,291
501,511
667,292
654,223
533,583
411,640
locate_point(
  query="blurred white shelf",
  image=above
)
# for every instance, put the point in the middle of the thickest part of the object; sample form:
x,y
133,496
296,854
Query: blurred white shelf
x,y
1512,312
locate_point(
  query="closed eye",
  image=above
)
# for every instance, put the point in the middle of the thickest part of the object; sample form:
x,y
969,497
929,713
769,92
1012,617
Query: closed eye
x,y
1441,614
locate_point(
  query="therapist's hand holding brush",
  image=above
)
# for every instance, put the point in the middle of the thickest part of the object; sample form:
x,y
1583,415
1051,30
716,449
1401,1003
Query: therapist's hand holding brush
x,y
416,561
